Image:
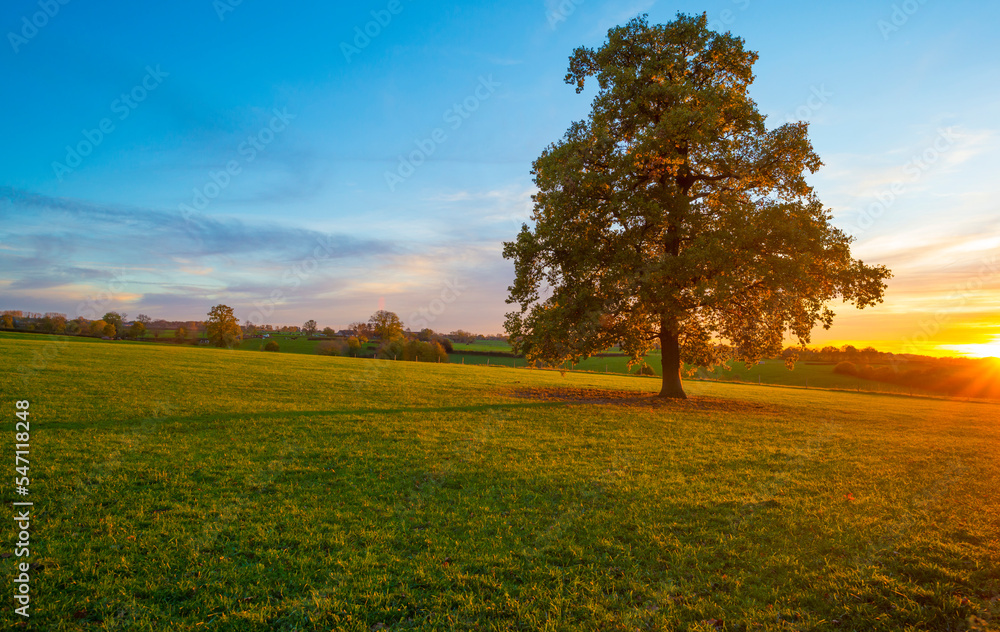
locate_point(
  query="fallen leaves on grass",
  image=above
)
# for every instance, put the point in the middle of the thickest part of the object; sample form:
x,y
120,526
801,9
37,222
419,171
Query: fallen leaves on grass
x,y
639,399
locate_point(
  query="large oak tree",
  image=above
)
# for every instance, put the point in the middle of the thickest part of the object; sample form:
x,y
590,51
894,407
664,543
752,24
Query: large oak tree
x,y
222,327
673,214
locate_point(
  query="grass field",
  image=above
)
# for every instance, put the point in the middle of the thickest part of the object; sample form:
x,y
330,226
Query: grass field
x,y
482,345
185,488
300,344
810,375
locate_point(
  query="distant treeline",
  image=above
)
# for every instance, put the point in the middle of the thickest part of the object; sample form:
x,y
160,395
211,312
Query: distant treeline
x,y
962,377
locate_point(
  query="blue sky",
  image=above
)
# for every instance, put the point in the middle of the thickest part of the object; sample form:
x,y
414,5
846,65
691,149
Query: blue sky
x,y
269,157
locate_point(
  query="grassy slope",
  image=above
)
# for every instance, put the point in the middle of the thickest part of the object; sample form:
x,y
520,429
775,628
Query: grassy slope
x,y
179,486
771,372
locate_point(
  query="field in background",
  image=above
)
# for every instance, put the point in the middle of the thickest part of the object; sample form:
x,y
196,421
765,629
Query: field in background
x,y
254,491
772,372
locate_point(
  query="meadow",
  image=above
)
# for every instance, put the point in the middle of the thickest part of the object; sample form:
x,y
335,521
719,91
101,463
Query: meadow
x,y
187,488
807,375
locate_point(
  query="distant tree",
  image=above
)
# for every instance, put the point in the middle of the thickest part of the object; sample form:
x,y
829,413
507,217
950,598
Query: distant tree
x,y
222,327
110,330
672,212
145,320
870,354
829,353
7,321
361,330
386,325
424,351
328,331
136,330
460,335
846,368
116,319
53,323
76,326
272,346
333,348
249,327
425,334
354,346
309,328
58,323
180,333
391,349
96,327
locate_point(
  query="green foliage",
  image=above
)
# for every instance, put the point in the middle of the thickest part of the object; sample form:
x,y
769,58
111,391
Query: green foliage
x,y
645,369
54,323
271,345
424,351
6,321
672,213
391,349
137,330
353,346
222,327
386,325
846,368
332,348
115,319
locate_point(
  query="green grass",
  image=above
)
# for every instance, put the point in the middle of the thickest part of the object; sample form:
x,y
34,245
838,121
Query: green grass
x,y
185,488
300,344
771,372
483,345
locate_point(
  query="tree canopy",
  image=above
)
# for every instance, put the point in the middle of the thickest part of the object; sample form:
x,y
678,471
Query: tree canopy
x,y
116,319
386,325
222,327
673,215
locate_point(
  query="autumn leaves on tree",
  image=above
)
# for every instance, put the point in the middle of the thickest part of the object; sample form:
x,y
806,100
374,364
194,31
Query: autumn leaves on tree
x,y
673,214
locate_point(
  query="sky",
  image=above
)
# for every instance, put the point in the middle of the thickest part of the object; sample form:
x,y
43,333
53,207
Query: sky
x,y
322,161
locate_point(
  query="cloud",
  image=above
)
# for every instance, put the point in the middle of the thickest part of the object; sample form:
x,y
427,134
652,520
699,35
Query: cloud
x,y
72,253
57,227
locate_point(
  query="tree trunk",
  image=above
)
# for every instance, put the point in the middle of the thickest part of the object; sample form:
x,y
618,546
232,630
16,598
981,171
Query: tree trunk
x,y
670,354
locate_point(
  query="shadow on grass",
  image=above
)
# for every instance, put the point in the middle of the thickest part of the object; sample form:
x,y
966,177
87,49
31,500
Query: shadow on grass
x,y
292,414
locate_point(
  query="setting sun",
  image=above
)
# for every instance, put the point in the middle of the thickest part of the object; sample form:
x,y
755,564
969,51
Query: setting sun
x,y
983,350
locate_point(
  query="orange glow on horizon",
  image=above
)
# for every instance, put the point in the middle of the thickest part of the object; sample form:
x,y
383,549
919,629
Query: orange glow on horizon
x,y
982,350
